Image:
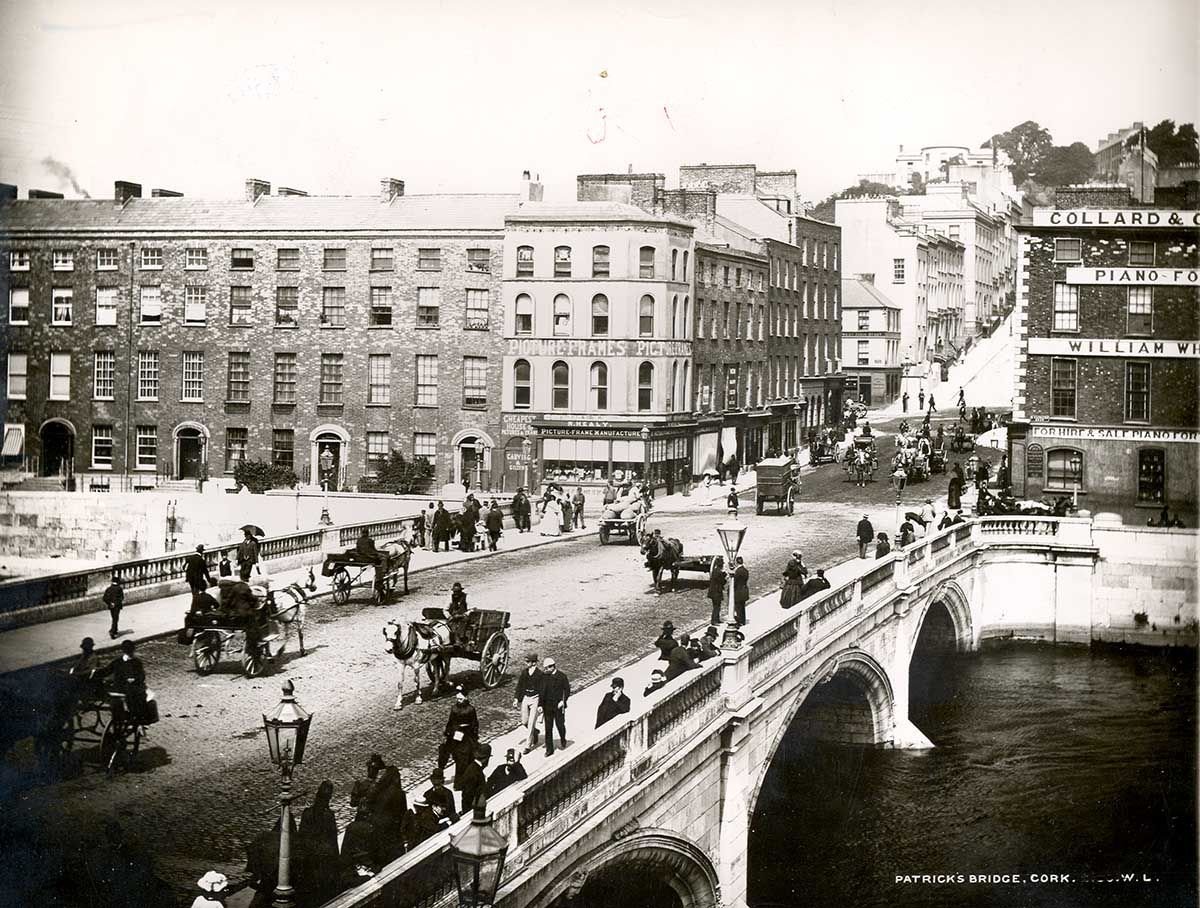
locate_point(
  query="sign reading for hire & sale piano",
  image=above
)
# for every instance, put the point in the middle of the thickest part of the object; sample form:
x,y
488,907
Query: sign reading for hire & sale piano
x,y
1103,346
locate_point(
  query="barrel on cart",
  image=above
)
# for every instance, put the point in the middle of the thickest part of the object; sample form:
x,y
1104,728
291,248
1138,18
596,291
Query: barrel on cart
x,y
779,481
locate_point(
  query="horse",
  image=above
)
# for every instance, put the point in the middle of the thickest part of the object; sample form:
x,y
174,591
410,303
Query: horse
x,y
287,607
661,555
392,556
417,644
858,465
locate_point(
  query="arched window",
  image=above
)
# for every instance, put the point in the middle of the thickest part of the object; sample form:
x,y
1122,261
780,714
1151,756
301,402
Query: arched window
x,y
600,315
646,316
646,262
671,390
687,314
1064,469
524,309
674,316
645,387
524,261
684,277
599,386
522,385
562,315
562,261
561,386
674,262
687,369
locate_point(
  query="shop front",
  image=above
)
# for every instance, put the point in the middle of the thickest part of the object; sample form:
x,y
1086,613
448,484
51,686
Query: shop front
x,y
590,453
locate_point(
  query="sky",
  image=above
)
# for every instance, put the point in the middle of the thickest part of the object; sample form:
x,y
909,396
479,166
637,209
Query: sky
x,y
463,96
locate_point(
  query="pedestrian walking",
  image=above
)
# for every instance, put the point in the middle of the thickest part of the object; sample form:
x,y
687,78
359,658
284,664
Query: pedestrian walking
x,y
741,590
882,546
615,703
866,533
466,524
493,522
904,402
466,484
556,689
981,474
442,526
195,571
552,519
521,509
507,773
932,404
212,890
921,399
962,412
526,697
732,501
419,527
716,588
473,782
962,398
568,512
247,555
793,580
461,734
224,566
114,601
578,500
954,487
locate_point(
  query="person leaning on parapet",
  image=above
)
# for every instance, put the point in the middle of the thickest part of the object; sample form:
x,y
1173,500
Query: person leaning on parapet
x,y
815,585
195,571
882,546
615,703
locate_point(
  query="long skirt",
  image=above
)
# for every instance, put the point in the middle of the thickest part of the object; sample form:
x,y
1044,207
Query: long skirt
x,y
954,496
791,593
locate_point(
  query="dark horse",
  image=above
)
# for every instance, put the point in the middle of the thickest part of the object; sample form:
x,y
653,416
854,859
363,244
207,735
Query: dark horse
x,y
662,555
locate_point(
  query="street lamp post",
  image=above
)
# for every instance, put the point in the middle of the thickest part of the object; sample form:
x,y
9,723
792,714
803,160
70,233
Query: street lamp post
x,y
731,532
645,433
480,448
287,733
325,464
478,853
899,479
527,450
1077,479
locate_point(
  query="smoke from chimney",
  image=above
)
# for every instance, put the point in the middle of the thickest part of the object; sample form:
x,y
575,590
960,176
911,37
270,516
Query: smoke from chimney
x,y
65,174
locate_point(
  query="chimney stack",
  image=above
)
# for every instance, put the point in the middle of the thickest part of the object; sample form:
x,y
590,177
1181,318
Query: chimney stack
x,y
44,194
288,190
255,188
531,190
123,191
390,189
165,194
7,191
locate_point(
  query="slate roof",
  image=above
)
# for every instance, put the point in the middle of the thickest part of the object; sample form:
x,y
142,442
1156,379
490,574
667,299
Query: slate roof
x,y
860,294
268,214
589,212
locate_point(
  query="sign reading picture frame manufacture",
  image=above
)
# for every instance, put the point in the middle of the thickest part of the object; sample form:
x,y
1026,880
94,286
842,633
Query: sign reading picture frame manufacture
x,y
1114,346
1115,217
1136,277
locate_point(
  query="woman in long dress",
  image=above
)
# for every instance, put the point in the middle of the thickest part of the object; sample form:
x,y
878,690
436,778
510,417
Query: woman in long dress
x,y
551,524
793,581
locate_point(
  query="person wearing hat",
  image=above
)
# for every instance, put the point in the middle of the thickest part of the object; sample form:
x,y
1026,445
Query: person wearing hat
x,y
815,585
526,696
114,601
521,510
317,840
882,545
681,659
741,590
439,797
456,614
793,580
424,822
461,735
195,571
615,703
556,689
708,645
716,588
471,781
86,663
866,533
212,886
657,680
225,566
247,554
666,640
129,679
507,773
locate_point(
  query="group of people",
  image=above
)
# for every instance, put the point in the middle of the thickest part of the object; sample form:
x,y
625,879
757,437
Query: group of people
x,y
561,512
717,579
797,585
921,401
436,527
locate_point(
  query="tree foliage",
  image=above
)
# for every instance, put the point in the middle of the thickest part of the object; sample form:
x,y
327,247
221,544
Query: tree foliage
x,y
1171,145
398,476
1063,165
864,189
258,476
1025,144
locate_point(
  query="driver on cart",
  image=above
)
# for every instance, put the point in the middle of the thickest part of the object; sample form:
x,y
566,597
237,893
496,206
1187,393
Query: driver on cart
x,y
365,547
456,614
128,682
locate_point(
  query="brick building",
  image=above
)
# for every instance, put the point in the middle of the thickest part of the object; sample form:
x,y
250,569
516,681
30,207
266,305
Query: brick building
x,y
1106,365
163,337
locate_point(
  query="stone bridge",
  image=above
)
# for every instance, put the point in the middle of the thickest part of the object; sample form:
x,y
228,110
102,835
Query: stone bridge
x,y
656,809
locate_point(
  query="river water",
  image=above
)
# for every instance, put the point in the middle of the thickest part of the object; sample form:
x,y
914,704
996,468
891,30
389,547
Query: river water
x,y
1049,761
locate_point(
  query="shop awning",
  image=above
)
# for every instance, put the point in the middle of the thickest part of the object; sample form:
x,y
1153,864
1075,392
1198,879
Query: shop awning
x,y
14,442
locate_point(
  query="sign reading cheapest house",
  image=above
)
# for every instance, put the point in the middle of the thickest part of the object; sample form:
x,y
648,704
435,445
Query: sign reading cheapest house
x,y
1136,277
1103,346
1115,217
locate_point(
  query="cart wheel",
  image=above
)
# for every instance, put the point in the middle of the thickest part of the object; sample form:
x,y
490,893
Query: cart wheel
x,y
254,660
206,651
758,506
604,535
341,586
493,661
119,745
791,503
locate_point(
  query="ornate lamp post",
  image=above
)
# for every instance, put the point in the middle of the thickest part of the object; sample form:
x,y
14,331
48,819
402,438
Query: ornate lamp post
x,y
527,450
287,733
480,449
899,479
645,433
325,464
478,853
732,532
1077,479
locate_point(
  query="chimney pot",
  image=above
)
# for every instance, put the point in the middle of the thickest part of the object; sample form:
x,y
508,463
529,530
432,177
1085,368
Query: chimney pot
x,y
44,194
123,191
524,174
256,188
390,189
7,191
165,194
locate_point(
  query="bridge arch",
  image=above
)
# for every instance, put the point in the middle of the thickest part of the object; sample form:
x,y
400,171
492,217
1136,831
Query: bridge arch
x,y
850,693
662,861
950,596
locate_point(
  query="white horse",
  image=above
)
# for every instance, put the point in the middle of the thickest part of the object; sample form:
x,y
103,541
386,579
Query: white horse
x,y
416,644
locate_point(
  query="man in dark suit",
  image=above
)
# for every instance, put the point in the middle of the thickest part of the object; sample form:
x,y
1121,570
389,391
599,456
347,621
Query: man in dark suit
x,y
195,571
741,591
615,703
114,601
439,797
461,735
506,773
815,584
247,555
680,660
128,678
472,782
553,700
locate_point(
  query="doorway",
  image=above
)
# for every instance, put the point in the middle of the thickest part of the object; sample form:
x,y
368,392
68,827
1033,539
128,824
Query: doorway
x,y
190,455
58,449
329,460
468,462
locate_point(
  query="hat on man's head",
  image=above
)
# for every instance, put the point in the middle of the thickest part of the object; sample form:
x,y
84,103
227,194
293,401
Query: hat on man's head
x,y
797,552
127,646
548,662
375,761
668,626
116,578
483,751
618,682
200,548
531,657
87,643
437,775
711,632
456,586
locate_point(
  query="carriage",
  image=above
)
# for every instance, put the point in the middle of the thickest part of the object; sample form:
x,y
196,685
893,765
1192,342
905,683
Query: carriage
x,y
483,640
861,460
962,441
243,629
778,479
822,450
388,569
632,528
89,717
937,459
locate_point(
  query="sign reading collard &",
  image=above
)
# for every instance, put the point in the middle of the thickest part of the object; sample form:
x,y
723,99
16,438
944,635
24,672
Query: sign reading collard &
x,y
1113,433
547,347
1136,277
1115,217
1102,346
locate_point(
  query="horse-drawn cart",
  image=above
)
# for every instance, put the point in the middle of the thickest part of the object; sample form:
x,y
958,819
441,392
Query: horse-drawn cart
x,y
632,528
388,570
91,717
245,626
778,480
480,637
823,450
861,460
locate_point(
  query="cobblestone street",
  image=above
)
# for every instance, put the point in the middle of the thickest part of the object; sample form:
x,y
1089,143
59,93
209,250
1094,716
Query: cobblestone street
x,y
204,786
